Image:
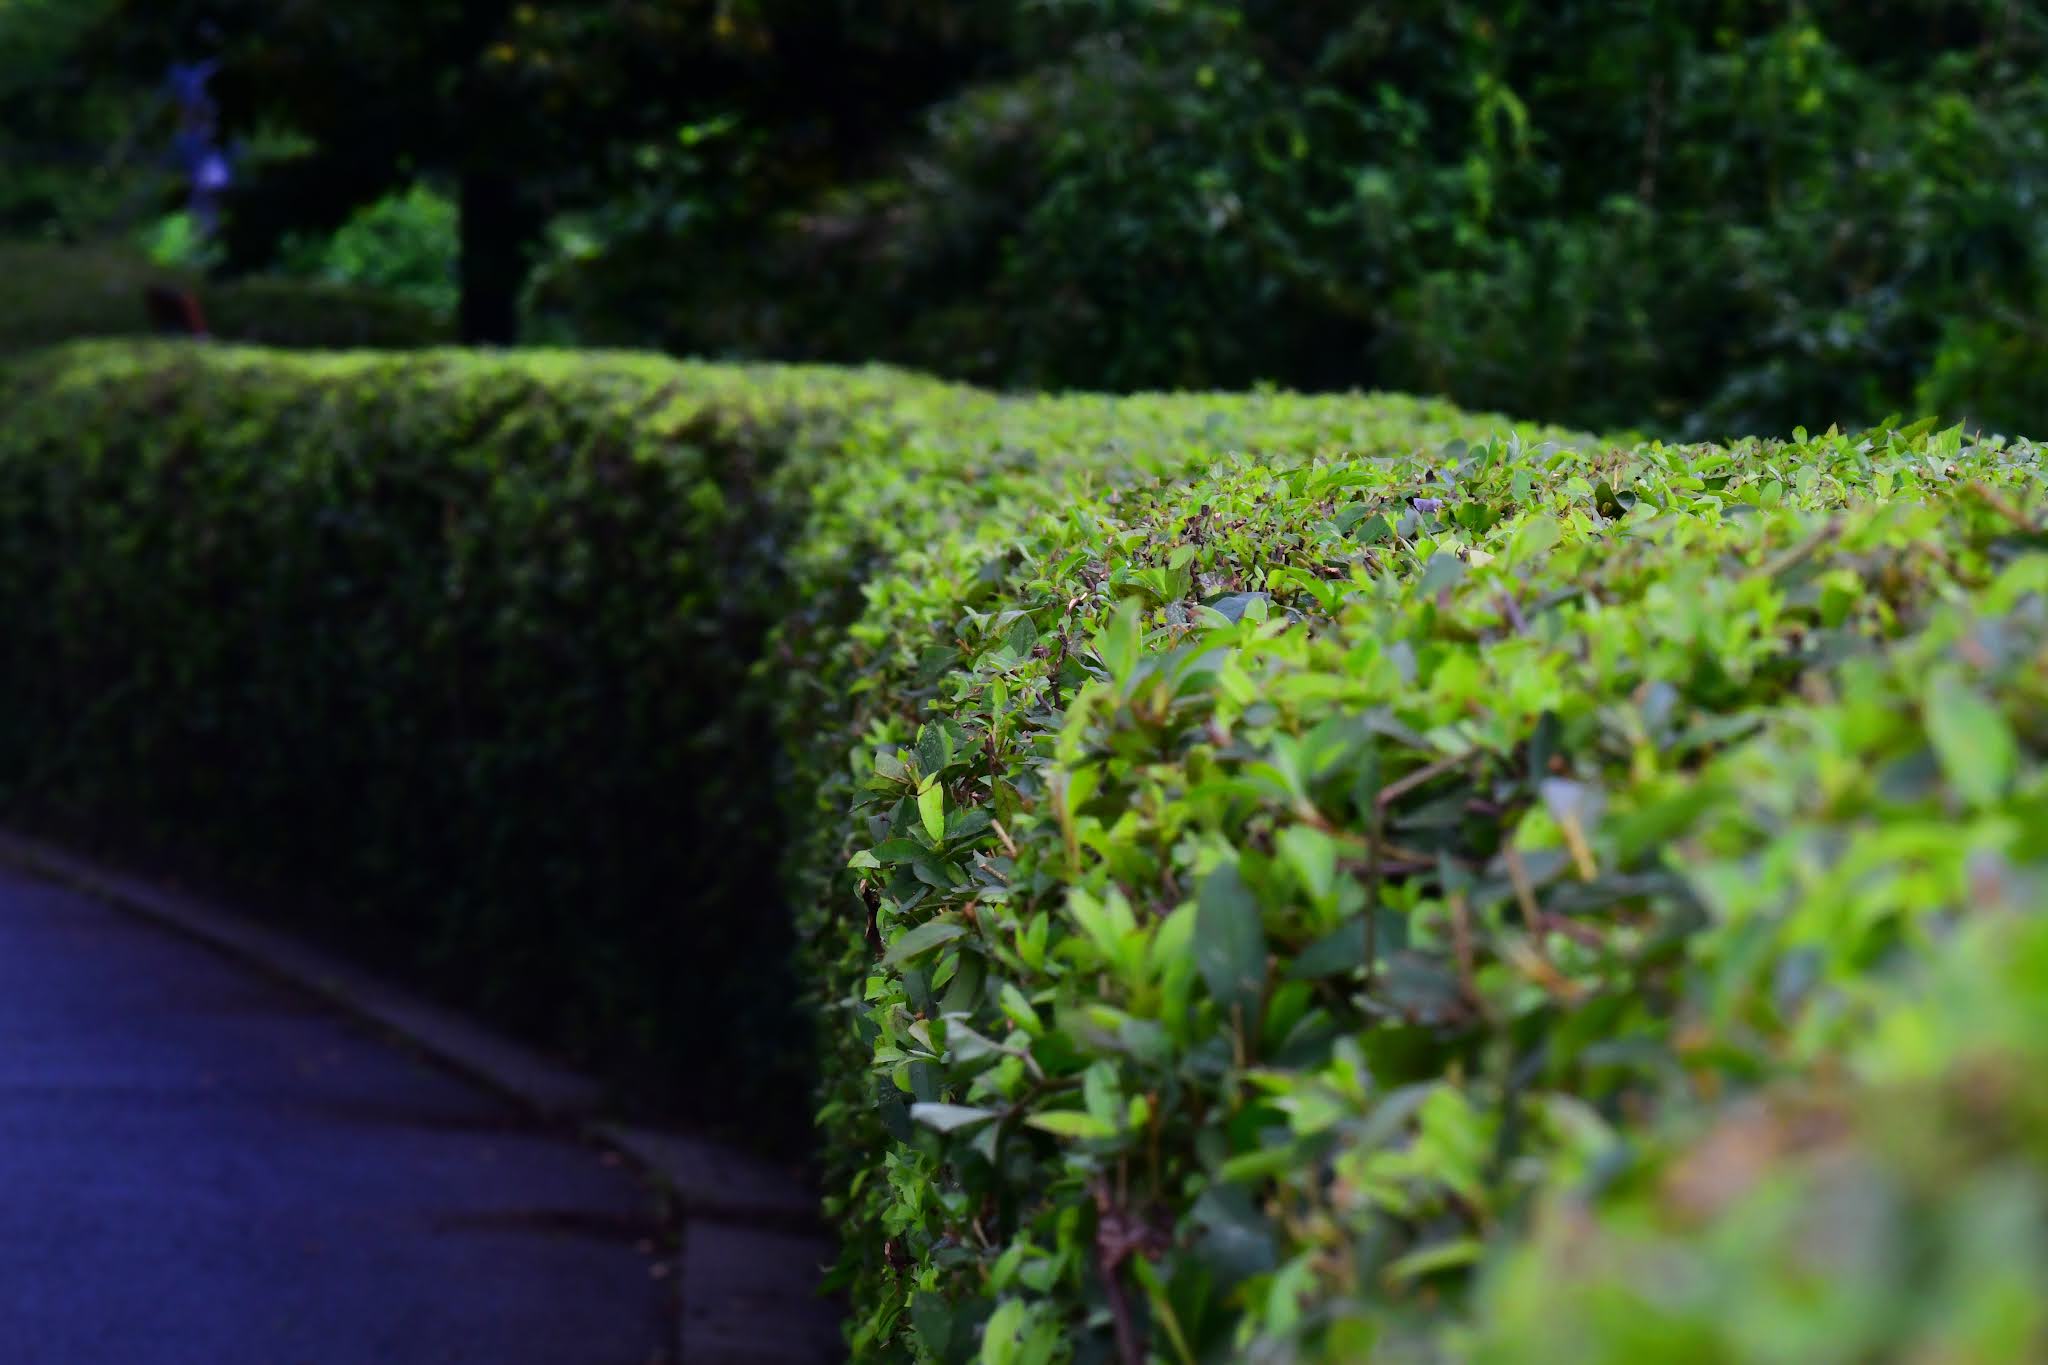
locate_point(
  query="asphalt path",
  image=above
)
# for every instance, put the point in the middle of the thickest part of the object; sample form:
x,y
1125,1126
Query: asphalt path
x,y
199,1167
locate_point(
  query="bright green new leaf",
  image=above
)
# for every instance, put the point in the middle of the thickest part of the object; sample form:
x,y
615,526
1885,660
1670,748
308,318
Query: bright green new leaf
x,y
931,809
1532,538
1119,642
1070,1123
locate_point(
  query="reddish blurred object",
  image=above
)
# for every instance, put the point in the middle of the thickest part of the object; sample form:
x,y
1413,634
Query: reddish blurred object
x,y
174,311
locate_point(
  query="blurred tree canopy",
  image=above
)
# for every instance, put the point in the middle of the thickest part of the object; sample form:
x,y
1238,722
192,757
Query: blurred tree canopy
x,y
529,107
1694,216
1699,216
70,144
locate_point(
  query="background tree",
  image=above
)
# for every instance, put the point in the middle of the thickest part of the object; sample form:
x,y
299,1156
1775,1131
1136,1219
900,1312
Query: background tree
x,y
1701,216
1693,216
532,109
74,152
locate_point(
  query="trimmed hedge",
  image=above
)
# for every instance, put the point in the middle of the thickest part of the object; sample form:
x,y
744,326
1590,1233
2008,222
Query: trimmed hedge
x,y
1280,878
1308,873
61,293
453,649
316,315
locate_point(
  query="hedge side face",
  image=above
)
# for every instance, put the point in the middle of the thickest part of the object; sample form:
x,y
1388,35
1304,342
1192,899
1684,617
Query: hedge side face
x,y
1279,878
453,649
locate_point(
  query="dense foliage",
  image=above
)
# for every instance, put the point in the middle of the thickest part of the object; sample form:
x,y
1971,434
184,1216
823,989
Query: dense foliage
x,y
533,110
1307,871
1278,877
69,157
1695,217
1705,217
403,246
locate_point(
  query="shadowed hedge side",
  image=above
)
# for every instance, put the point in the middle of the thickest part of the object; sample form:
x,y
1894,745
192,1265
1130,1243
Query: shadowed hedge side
x,y
454,649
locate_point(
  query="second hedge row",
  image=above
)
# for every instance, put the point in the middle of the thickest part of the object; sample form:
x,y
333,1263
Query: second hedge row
x,y
1277,878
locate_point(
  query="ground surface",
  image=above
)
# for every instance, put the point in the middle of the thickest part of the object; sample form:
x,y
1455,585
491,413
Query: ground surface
x,y
199,1167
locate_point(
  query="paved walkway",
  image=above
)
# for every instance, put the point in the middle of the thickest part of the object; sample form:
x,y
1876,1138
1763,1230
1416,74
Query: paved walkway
x,y
198,1167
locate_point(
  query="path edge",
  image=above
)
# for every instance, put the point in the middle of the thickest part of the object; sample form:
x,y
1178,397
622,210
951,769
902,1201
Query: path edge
x,y
717,1188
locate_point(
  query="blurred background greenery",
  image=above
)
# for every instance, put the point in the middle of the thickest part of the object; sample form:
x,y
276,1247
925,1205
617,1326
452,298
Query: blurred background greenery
x,y
1693,217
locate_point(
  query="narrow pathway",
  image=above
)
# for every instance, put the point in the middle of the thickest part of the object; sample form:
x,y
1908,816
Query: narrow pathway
x,y
198,1167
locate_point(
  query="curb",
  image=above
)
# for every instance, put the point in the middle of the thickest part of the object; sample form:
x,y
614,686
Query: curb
x,y
750,1237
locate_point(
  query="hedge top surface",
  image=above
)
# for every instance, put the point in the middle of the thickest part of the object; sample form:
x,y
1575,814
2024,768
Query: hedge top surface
x,y
1282,870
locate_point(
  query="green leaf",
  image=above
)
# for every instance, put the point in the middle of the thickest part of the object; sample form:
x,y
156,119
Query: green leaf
x,y
1254,1166
999,1338
1372,530
1442,573
1021,637
923,938
1230,942
1234,606
1313,856
1118,644
1099,1092
1105,920
1017,1008
931,808
1971,738
949,1117
935,1319
1450,1255
966,822
895,851
1234,1240
1069,1123
934,750
1532,538
936,873
1340,950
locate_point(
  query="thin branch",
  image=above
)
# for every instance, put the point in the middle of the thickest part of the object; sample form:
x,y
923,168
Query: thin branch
x,y
1394,791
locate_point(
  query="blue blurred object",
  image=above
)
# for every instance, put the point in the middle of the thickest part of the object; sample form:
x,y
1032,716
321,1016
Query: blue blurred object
x,y
204,162
188,81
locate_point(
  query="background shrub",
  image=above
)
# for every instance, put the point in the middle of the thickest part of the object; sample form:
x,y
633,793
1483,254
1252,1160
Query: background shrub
x,y
62,293
314,315
65,293
403,246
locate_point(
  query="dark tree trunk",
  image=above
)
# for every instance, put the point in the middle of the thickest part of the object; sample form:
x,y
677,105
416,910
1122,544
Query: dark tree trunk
x,y
497,224
498,228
